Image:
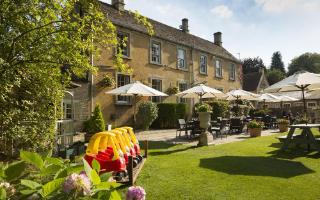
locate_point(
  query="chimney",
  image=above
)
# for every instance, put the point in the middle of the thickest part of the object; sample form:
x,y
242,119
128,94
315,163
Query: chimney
x,y
217,38
184,27
118,4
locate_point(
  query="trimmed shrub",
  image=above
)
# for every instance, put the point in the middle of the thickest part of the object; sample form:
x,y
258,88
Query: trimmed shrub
x,y
147,113
219,108
204,108
96,122
168,115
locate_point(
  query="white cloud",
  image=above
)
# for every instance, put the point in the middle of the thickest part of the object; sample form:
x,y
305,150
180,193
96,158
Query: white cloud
x,y
279,6
169,9
222,11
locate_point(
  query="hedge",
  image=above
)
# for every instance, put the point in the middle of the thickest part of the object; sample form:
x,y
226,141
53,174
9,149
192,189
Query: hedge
x,y
168,115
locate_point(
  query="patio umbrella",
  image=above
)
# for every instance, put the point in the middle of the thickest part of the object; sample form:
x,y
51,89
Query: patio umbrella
x,y
267,97
201,91
136,89
300,81
241,94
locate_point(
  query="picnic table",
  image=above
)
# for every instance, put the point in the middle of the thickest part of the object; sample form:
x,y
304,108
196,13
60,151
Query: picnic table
x,y
306,136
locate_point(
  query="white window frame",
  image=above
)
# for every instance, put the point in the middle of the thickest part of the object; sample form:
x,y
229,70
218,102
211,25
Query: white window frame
x,y
157,99
220,75
160,52
232,72
182,100
67,109
284,105
126,34
185,67
312,102
298,104
129,99
205,58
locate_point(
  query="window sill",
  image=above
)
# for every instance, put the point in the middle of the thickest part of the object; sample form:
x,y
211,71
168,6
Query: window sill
x,y
203,74
182,69
123,104
232,79
218,77
125,57
158,64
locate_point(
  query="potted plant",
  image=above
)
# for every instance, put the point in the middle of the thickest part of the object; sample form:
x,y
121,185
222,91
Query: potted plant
x,y
283,125
255,128
204,111
172,90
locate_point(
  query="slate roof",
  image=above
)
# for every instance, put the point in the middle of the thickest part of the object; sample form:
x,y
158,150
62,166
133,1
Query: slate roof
x,y
251,81
163,31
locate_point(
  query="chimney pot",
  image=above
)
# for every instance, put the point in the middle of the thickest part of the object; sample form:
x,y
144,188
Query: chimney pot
x,y
185,27
217,38
118,4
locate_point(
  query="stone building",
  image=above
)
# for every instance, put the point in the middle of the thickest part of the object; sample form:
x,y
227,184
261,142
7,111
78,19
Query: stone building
x,y
255,81
172,57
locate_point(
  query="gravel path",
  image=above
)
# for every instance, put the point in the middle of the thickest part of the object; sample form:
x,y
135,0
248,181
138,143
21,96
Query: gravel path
x,y
169,135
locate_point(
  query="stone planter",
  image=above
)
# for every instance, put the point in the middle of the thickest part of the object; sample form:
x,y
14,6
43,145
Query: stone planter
x,y
204,118
283,127
255,132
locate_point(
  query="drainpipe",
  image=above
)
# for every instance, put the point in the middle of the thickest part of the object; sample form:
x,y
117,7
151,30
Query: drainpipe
x,y
91,84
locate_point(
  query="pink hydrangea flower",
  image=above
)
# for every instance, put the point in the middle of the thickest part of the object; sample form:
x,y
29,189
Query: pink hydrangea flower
x,y
79,182
136,193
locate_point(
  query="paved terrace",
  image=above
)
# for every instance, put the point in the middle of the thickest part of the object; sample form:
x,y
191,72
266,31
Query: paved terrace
x,y
169,135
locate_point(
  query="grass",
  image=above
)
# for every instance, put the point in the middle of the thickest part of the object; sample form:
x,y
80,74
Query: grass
x,y
251,169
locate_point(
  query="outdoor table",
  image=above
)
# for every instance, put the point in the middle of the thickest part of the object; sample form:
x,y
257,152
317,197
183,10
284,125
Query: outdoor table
x,y
306,136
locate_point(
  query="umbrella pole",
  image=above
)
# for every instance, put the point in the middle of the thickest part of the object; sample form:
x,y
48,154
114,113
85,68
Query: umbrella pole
x,y
304,103
134,110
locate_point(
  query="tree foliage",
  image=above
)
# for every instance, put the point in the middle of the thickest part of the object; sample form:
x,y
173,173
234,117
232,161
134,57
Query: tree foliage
x,y
308,61
250,65
37,38
147,113
276,62
275,75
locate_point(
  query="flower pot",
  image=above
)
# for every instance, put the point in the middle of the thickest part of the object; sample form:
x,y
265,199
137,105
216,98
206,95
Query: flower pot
x,y
283,127
204,118
255,132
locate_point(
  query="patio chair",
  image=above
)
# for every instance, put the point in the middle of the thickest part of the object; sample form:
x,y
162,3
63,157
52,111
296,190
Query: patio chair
x,y
267,120
220,129
183,126
236,125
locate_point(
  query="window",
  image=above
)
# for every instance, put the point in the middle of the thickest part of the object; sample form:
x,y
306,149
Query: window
x,y
155,52
124,43
203,64
298,104
122,80
311,104
287,105
232,72
156,84
182,59
67,110
218,69
182,87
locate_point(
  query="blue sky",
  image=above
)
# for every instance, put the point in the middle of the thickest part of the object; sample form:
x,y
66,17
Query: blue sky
x,y
249,27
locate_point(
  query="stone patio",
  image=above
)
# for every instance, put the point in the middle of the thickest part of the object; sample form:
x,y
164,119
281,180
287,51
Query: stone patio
x,y
169,135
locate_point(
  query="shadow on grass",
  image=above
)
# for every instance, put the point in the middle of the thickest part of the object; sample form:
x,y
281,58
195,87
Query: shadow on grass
x,y
160,153
255,166
293,153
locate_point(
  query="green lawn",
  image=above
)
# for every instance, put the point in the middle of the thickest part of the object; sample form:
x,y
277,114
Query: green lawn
x,y
251,169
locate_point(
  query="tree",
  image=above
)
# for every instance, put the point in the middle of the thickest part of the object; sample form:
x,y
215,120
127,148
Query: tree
x,y
252,65
275,75
37,39
96,122
276,62
308,61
